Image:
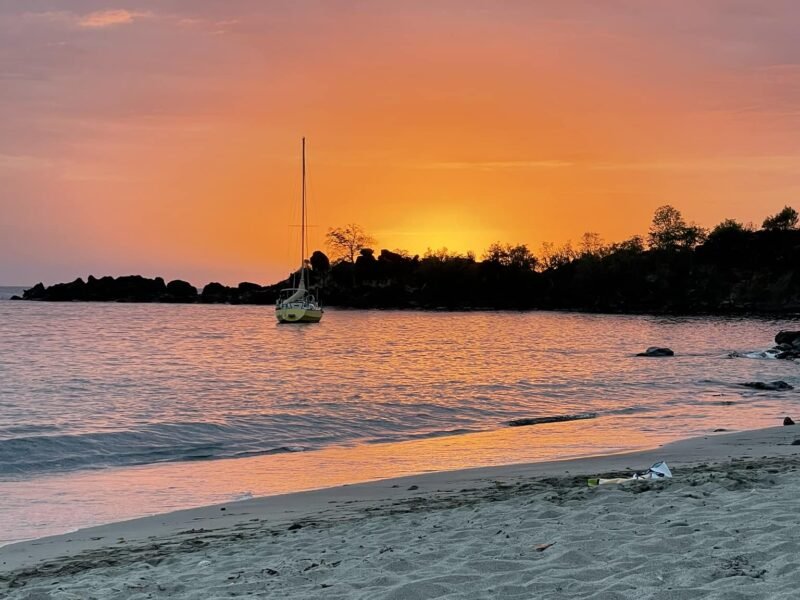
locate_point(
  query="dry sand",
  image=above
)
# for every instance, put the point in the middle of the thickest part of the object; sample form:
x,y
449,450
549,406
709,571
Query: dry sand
x,y
726,527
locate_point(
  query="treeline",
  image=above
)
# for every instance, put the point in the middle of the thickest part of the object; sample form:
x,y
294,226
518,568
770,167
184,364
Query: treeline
x,y
678,267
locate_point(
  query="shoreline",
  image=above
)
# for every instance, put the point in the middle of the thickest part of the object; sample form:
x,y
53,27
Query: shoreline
x,y
161,488
216,527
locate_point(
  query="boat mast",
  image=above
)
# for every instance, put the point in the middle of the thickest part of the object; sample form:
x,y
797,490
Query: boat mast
x,y
303,221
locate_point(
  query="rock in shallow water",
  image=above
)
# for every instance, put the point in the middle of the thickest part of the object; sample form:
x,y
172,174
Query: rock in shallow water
x,y
787,347
787,337
788,421
656,351
774,386
555,419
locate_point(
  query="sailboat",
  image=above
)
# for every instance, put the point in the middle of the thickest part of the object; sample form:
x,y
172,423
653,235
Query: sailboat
x,y
297,304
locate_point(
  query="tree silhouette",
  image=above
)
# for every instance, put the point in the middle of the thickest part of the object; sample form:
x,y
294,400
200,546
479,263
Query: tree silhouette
x,y
592,245
783,221
669,231
519,256
346,242
552,257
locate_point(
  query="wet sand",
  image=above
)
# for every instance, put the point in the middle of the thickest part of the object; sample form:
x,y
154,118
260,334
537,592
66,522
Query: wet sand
x,y
724,527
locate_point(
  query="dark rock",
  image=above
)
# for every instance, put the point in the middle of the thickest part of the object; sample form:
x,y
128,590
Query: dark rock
x,y
656,351
295,526
796,443
215,293
320,262
37,292
774,386
15,297
247,287
257,294
719,430
181,291
128,288
788,421
103,289
787,337
413,487
555,419
250,293
62,292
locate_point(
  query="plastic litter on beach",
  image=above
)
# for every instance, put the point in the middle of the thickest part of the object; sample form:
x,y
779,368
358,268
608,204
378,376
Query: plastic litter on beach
x,y
543,547
659,470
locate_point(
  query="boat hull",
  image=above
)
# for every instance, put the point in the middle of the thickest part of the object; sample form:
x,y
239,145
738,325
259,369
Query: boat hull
x,y
298,315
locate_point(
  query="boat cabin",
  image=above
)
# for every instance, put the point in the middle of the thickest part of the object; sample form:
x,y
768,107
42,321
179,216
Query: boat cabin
x,y
296,298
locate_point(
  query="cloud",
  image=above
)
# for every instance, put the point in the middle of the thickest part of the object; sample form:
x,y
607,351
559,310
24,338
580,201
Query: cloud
x,y
22,162
495,165
109,18
98,19
788,163
212,26
61,169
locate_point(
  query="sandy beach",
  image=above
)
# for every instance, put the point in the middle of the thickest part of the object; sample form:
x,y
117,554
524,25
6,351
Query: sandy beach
x,y
723,527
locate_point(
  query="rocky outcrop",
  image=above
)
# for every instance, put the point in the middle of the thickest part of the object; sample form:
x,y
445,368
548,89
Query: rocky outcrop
x,y
252,293
656,351
37,292
180,291
244,293
128,288
248,288
135,288
215,293
74,290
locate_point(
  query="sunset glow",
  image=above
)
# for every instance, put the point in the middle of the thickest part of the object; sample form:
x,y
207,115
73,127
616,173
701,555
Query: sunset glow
x,y
163,138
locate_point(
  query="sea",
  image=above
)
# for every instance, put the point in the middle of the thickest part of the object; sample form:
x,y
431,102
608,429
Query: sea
x,y
114,411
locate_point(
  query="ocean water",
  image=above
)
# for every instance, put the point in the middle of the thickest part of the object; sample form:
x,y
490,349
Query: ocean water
x,y
6,291
94,397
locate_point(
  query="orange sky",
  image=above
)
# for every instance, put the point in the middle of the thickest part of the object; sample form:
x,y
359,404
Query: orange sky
x,y
163,137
